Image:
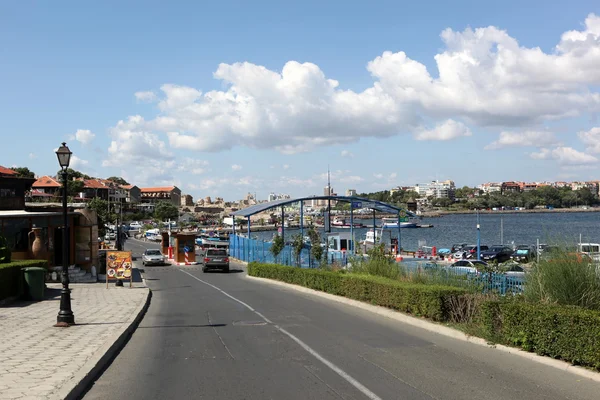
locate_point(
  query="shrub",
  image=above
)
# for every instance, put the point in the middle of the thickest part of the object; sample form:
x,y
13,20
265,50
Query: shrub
x,y
377,263
563,332
5,252
10,275
566,279
430,301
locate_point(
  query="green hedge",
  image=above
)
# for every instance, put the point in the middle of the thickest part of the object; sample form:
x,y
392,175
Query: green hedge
x,y
10,275
430,301
564,332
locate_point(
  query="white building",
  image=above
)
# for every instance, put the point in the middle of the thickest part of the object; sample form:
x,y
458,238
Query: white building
x,y
350,192
273,196
490,187
436,189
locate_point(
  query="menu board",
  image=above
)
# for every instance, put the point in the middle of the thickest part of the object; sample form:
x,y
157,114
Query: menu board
x,y
118,266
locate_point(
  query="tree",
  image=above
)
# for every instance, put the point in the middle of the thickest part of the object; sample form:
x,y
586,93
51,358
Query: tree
x,y
103,213
297,246
316,251
118,179
165,210
23,172
277,246
74,174
74,187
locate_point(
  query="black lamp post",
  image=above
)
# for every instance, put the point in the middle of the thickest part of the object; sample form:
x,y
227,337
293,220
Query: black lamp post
x,y
65,315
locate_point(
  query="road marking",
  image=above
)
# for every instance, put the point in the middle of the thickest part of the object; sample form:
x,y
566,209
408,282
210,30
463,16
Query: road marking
x,y
359,386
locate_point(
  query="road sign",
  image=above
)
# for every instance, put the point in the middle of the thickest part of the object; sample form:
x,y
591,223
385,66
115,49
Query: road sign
x,y
356,204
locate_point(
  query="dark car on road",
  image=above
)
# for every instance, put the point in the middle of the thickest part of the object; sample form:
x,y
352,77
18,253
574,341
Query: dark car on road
x,y
458,247
215,259
523,253
498,254
469,252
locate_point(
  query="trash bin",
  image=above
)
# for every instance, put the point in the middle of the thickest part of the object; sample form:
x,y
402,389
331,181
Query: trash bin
x,y
34,282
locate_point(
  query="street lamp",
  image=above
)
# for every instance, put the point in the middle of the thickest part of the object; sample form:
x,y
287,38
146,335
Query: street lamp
x,y
65,315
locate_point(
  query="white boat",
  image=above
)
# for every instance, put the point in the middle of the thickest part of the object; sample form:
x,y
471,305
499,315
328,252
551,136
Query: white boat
x,y
391,223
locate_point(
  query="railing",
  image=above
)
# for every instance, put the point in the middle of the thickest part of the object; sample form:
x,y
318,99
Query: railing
x,y
250,250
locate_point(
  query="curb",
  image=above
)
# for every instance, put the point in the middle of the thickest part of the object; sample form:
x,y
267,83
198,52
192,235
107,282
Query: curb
x,y
439,329
92,369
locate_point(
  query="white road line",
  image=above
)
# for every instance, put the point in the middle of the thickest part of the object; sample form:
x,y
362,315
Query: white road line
x,y
364,390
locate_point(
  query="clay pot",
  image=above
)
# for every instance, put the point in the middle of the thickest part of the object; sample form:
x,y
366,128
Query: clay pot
x,y
36,246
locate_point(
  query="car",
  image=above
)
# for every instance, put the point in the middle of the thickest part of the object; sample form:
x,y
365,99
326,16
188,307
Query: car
x,y
135,226
110,235
458,247
515,270
497,253
215,259
523,253
468,266
469,252
153,257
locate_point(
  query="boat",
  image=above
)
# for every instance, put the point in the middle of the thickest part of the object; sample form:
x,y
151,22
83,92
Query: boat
x,y
391,223
212,239
340,222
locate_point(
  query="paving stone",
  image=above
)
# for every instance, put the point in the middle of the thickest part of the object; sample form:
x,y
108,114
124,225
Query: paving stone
x,y
37,359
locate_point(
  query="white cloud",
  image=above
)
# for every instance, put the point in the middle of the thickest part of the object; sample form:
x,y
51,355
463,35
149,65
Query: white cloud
x,y
286,166
393,175
488,78
236,167
146,97
565,156
346,153
77,162
447,130
193,166
83,136
527,138
591,139
32,156
484,77
150,162
543,154
378,176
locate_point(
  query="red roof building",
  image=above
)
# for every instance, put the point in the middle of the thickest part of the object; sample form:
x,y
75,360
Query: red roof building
x,y
6,171
158,194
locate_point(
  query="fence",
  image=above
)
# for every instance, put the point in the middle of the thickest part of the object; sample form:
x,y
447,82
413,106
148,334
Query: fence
x,y
250,250
488,281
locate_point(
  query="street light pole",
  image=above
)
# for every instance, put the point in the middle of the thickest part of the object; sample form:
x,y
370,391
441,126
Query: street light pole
x,y
65,314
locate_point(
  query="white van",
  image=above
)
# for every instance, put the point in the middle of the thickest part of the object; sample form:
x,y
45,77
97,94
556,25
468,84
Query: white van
x,y
590,249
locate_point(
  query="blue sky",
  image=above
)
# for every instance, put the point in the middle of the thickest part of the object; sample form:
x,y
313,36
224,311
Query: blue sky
x,y
234,97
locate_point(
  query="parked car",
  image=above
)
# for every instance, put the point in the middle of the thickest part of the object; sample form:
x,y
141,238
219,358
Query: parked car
x,y
497,254
468,266
523,253
458,247
110,235
469,252
215,259
515,270
135,225
153,257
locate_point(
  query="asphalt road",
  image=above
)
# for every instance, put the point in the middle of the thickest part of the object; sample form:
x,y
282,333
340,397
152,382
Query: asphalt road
x,y
224,336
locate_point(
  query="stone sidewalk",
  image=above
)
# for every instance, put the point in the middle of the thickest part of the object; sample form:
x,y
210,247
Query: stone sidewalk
x,y
38,361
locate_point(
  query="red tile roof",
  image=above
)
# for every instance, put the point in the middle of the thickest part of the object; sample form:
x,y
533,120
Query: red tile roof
x,y
157,189
46,182
6,171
